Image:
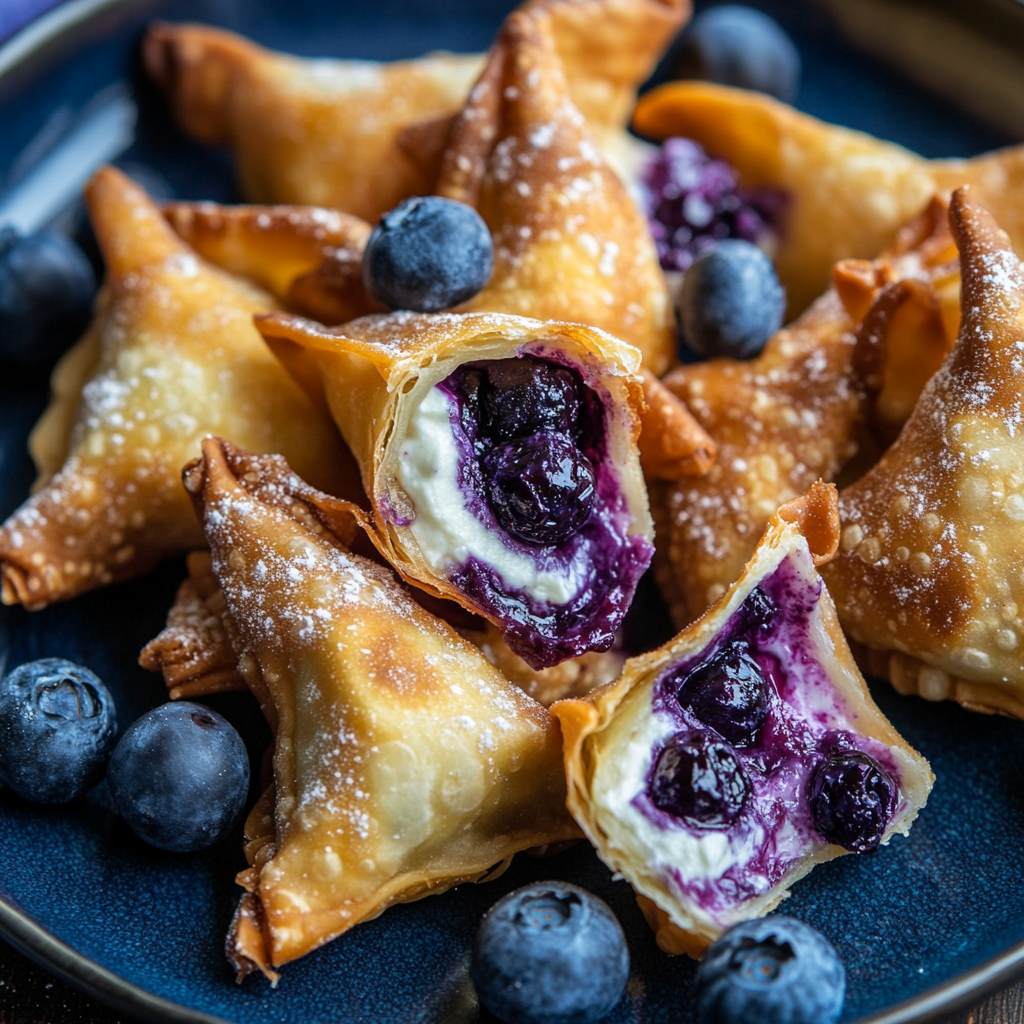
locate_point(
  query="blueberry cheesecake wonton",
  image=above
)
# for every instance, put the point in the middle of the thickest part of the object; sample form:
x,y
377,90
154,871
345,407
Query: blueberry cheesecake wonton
x,y
721,767
403,763
500,457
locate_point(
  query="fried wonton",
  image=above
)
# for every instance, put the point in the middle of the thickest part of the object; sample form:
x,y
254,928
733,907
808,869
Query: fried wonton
x,y
434,406
722,767
930,574
171,356
309,258
404,763
329,132
570,243
796,413
848,191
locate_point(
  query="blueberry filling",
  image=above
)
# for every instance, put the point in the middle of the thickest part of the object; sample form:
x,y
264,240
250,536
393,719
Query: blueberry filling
x,y
694,201
700,780
541,487
533,467
729,693
852,797
760,747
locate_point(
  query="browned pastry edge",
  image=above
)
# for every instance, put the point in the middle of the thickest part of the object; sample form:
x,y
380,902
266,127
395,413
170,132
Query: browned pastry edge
x,y
672,443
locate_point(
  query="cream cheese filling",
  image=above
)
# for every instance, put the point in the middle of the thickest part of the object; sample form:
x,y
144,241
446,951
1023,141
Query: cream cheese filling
x,y
446,530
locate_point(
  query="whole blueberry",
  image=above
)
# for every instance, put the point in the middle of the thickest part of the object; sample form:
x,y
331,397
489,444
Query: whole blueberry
x,y
729,693
47,288
540,487
550,953
179,777
428,254
57,728
736,45
852,798
700,780
774,971
731,301
526,395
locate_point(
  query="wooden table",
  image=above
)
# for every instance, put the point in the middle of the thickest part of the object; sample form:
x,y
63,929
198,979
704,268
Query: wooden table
x,y
28,995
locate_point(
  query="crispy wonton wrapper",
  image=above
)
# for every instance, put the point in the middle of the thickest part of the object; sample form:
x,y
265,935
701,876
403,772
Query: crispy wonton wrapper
x,y
329,132
404,763
848,192
570,243
603,734
930,574
376,371
171,356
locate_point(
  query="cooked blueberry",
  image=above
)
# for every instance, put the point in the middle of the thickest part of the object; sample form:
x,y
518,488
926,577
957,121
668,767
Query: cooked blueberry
x,y
540,487
729,693
46,292
731,301
179,777
774,971
700,780
550,953
759,611
526,395
736,45
852,797
57,728
428,254
693,202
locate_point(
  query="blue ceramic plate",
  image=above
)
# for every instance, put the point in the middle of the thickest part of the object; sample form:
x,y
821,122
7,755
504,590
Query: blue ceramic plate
x,y
925,926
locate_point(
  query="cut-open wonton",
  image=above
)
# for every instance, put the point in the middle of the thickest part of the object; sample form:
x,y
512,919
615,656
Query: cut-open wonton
x,y
930,575
171,357
404,763
722,767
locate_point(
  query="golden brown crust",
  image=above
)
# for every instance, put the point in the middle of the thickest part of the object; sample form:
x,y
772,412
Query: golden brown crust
x,y
599,728
175,357
848,192
309,258
672,443
404,762
346,134
931,554
194,652
569,241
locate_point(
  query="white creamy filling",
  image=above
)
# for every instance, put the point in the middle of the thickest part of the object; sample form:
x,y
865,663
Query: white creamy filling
x,y
445,529
621,776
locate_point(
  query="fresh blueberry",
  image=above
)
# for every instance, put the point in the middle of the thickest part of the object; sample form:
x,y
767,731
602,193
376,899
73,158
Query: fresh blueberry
x,y
179,777
774,971
526,395
428,254
852,798
693,202
550,953
540,487
731,301
700,780
729,693
57,728
46,293
736,45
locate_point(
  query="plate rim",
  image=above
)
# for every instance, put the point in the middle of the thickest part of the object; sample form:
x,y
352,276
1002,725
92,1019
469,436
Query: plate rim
x,y
34,941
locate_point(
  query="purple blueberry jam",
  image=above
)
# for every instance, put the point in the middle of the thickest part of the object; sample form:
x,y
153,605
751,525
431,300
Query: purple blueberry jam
x,y
533,464
540,487
699,779
758,694
852,798
694,201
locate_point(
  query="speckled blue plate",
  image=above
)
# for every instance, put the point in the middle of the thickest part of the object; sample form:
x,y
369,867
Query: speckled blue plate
x,y
925,926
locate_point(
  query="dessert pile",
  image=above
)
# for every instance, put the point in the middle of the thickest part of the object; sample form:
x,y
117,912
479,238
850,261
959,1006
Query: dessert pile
x,y
421,421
